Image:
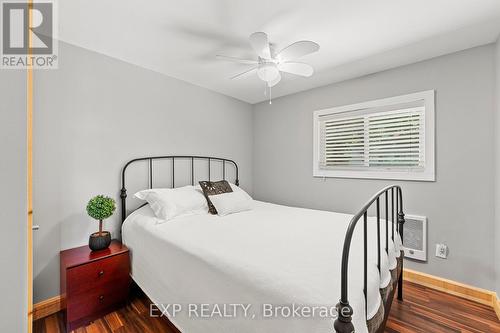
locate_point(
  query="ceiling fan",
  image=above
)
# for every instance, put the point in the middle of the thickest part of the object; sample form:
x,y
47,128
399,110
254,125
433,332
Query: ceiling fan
x,y
270,63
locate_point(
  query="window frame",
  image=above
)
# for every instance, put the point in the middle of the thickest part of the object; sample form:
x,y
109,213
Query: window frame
x,y
425,174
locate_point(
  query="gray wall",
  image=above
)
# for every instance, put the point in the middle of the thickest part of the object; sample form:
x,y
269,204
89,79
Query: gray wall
x,y
13,212
92,115
497,168
459,205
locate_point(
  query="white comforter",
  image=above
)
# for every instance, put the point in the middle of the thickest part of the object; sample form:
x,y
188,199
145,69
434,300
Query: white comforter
x,y
270,255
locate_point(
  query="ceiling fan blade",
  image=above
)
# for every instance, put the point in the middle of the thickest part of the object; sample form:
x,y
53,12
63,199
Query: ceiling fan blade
x,y
297,68
275,81
260,44
238,60
243,73
298,49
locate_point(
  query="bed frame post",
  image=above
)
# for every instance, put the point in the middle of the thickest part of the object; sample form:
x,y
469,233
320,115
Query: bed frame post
x,y
343,324
123,197
401,222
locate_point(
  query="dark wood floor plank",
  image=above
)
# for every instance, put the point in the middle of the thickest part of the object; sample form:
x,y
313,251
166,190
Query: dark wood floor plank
x,y
113,320
423,310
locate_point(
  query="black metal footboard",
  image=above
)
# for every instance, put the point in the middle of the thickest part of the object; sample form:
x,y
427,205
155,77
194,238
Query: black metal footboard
x,y
394,195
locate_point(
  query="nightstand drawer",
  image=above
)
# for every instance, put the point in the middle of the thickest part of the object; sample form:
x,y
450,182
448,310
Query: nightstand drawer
x,y
98,300
97,274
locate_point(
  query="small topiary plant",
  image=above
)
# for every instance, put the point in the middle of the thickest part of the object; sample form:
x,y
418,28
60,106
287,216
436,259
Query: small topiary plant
x,y
100,208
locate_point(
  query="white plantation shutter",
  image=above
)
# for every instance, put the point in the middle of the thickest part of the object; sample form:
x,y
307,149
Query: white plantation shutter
x,y
342,142
395,139
380,140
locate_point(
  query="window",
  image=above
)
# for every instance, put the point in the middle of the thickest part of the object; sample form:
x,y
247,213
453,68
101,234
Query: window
x,y
391,138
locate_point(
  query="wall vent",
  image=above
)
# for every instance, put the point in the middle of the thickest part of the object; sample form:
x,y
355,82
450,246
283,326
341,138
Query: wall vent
x,y
415,237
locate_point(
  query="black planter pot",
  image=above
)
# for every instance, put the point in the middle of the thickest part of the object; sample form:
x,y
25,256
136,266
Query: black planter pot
x,y
99,242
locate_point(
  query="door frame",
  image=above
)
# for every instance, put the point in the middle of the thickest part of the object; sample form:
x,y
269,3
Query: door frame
x,y
29,110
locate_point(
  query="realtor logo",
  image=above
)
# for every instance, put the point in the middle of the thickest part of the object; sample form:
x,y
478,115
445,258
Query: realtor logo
x,y
28,35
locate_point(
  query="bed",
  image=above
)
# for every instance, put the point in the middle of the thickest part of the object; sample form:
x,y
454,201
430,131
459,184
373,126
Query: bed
x,y
272,260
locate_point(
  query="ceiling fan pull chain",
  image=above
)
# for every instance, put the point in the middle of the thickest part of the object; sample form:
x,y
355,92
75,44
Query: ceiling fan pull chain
x,y
270,98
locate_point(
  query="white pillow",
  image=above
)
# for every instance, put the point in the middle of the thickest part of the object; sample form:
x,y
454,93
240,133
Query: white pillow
x,y
232,202
236,188
168,203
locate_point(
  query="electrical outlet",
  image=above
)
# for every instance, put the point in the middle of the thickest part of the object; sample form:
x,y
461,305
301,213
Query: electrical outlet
x,y
442,251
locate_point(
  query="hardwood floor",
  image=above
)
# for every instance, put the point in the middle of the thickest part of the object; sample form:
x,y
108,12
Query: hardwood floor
x,y
424,311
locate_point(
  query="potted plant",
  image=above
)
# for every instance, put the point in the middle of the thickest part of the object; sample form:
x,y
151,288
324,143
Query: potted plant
x,y
100,208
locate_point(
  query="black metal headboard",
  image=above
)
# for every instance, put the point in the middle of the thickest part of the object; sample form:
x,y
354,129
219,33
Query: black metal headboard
x,y
150,159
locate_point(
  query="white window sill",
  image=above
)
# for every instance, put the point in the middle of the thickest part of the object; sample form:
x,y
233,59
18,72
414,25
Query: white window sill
x,y
392,175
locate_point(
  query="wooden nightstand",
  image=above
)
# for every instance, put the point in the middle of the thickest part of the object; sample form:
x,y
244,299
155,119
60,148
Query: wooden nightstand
x,y
93,283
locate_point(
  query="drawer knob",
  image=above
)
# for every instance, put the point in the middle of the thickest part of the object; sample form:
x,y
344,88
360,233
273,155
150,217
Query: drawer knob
x,y
101,298
101,273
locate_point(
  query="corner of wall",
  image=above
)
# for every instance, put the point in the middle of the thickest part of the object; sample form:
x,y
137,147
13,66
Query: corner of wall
x,y
497,166
254,147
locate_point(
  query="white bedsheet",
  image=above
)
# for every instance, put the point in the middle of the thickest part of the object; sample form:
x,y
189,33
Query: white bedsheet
x,y
270,255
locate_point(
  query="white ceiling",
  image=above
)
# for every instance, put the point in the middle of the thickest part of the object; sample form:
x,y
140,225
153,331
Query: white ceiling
x,y
357,37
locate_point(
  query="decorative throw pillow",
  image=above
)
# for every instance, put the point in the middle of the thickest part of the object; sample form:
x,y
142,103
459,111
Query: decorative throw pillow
x,y
211,188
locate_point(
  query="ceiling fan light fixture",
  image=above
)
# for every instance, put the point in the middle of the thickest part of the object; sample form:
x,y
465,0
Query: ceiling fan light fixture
x,y
268,71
